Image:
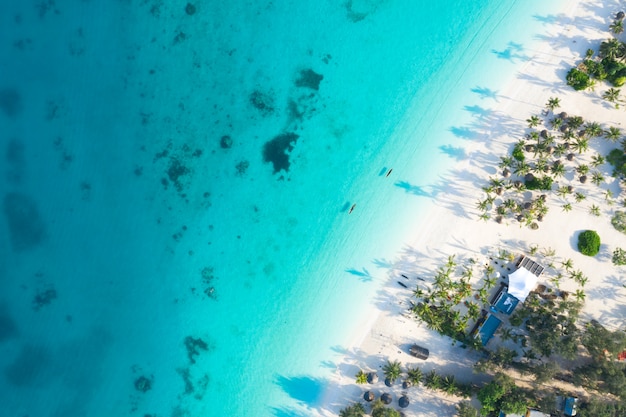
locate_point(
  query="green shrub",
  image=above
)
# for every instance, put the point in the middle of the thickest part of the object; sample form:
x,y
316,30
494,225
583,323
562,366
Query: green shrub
x,y
617,158
589,243
577,79
619,256
544,183
619,81
518,152
619,221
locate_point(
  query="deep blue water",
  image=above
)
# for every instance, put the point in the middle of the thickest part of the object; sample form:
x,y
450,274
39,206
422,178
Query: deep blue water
x,y
177,180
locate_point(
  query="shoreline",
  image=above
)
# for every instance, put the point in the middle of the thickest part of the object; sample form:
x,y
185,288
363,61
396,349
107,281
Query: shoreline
x,y
453,226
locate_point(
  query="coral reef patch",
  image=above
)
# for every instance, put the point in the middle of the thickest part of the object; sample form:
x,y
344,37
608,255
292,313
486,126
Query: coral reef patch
x,y
26,228
195,347
263,102
10,102
276,151
43,298
309,79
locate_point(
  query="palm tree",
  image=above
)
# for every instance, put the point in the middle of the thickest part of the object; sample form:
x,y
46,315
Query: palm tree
x,y
414,375
392,370
361,377
582,169
597,160
574,122
558,169
613,134
594,210
567,207
556,123
611,95
567,264
597,178
432,380
617,27
473,310
593,129
611,49
448,384
490,282
355,410
506,161
506,333
581,145
580,295
533,121
553,103
579,197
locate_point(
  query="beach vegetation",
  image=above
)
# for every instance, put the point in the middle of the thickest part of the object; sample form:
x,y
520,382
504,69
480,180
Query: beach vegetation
x,y
518,152
382,411
553,103
619,257
392,370
589,243
594,210
578,79
465,409
619,221
617,27
361,377
543,183
599,408
414,375
617,158
611,95
355,410
533,121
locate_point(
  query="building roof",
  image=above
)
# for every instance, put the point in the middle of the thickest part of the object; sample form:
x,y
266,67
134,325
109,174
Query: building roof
x,y
521,283
505,302
530,265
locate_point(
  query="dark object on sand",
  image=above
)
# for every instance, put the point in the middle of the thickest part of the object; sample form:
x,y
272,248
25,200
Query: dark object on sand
x,y
402,284
372,377
143,384
369,396
403,401
419,352
386,398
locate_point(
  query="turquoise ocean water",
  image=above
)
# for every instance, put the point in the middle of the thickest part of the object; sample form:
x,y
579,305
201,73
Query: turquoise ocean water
x,y
177,181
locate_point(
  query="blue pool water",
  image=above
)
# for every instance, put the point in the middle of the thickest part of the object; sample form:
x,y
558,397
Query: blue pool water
x,y
177,181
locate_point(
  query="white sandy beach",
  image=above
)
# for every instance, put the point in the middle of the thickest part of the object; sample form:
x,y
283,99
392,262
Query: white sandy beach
x,y
453,227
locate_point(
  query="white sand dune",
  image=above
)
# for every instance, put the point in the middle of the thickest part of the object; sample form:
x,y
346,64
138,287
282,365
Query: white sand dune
x,y
452,226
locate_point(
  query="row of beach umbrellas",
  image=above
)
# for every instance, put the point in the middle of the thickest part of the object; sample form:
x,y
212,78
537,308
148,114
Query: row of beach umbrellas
x,y
387,399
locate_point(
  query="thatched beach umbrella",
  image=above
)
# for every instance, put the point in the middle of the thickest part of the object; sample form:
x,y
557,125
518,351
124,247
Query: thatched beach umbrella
x,y
506,173
583,179
407,384
544,134
386,398
563,115
527,205
529,177
372,377
570,156
369,396
388,382
403,401
620,16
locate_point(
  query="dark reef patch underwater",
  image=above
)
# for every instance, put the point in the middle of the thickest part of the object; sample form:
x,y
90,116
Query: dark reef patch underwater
x,y
277,151
26,228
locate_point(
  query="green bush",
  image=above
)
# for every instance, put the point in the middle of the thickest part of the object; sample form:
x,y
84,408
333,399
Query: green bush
x,y
617,158
544,183
578,79
518,153
619,221
589,243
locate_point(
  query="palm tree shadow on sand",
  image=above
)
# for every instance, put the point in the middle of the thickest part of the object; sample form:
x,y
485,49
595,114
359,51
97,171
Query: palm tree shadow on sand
x,y
414,189
364,274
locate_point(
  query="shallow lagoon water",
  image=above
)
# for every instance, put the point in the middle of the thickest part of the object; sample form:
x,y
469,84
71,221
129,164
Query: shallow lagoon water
x,y
178,180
